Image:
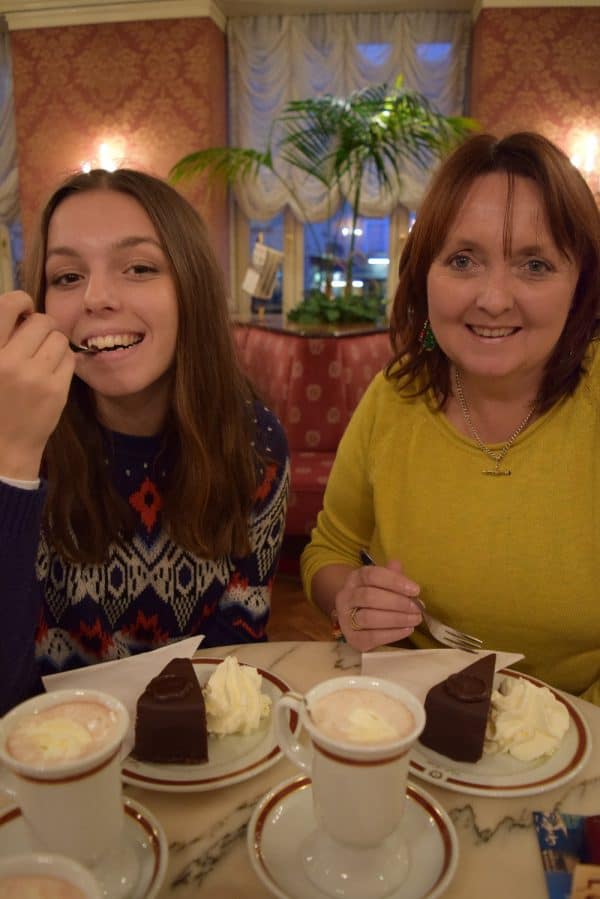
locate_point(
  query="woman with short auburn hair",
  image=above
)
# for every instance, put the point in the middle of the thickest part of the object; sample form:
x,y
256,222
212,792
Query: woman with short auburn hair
x,y
471,468
572,217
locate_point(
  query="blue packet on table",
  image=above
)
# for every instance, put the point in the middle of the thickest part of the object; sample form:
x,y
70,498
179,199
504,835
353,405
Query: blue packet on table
x,y
561,840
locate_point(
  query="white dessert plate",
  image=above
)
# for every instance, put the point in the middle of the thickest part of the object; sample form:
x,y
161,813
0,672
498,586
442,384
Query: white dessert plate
x,y
284,818
231,759
143,840
503,775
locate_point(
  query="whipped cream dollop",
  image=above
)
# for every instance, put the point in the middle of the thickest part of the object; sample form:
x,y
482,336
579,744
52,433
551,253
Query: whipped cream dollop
x,y
233,699
525,720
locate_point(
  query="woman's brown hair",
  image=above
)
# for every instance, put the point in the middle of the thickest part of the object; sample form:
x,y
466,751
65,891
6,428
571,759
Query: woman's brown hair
x,y
208,439
574,222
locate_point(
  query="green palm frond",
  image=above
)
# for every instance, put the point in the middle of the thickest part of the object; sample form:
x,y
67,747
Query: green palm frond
x,y
377,127
375,130
229,163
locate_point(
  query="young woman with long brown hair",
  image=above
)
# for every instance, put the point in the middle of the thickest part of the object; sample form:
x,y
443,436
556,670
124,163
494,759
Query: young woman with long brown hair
x,y
143,487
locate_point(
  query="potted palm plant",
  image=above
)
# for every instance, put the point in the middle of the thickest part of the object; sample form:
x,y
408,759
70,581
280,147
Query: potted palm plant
x,y
339,141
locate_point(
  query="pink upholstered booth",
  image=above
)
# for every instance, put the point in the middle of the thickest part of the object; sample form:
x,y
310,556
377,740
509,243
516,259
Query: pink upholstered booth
x,y
313,384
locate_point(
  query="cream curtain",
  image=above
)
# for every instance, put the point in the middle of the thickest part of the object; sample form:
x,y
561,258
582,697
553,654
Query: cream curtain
x,y
9,182
275,59
9,186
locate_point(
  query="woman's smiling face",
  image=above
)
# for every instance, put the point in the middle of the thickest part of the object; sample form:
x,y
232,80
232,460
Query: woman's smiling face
x,y
498,313
109,285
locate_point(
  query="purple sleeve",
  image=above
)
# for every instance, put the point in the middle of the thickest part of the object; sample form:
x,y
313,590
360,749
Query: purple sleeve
x,y
20,595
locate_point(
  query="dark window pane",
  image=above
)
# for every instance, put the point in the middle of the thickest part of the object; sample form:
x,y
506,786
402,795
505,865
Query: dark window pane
x,y
376,54
327,247
434,52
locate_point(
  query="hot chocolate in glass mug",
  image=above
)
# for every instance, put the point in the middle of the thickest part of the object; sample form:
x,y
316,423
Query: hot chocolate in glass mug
x,y
361,730
63,749
45,876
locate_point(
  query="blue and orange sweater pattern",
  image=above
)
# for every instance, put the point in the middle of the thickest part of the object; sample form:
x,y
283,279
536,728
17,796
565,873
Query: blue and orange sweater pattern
x,y
149,591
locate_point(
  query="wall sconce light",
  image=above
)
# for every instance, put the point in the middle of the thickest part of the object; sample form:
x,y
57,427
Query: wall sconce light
x,y
106,159
585,157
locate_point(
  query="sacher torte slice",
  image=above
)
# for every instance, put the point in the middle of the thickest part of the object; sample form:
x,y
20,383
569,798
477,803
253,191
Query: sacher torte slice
x,y
457,710
170,723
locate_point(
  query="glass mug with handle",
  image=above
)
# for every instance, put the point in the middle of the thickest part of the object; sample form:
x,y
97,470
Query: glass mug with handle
x,y
63,750
360,730
46,876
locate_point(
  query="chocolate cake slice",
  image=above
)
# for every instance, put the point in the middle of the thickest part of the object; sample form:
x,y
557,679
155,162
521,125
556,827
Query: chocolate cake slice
x,y
457,711
170,724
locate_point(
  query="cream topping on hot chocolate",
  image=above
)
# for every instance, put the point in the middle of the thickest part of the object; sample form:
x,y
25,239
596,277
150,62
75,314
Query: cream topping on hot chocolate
x,y
61,733
34,886
361,716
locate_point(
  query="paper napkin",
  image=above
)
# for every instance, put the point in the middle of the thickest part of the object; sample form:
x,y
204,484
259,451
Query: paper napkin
x,y
124,678
419,669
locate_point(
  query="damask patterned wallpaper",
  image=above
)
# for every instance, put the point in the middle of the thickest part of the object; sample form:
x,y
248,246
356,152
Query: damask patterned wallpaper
x,y
153,91
538,69
156,90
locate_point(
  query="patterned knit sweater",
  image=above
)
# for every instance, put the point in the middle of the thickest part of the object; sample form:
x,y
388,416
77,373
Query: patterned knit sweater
x,y
149,592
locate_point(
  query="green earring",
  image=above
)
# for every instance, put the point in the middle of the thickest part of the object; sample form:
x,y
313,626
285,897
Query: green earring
x,y
427,337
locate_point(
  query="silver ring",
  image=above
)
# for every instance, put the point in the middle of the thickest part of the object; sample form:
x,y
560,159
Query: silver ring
x,y
353,622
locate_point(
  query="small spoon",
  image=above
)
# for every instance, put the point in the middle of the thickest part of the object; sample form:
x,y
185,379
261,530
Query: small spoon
x,y
75,347
80,348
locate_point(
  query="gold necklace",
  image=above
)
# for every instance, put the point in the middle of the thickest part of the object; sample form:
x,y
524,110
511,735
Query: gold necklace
x,y
496,455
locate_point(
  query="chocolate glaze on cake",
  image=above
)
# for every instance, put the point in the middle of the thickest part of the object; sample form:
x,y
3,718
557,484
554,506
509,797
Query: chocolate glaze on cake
x,y
457,711
170,723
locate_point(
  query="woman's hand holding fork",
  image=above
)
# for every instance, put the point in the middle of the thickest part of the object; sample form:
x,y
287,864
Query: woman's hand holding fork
x,y
375,606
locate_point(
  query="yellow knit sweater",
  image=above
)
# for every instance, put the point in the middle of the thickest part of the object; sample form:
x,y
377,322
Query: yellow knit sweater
x,y
515,560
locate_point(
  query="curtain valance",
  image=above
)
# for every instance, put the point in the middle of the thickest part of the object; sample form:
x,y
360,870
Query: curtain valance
x,y
275,59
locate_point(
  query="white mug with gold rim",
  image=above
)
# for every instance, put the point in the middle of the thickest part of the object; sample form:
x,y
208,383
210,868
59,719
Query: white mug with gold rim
x,y
60,876
359,793
73,807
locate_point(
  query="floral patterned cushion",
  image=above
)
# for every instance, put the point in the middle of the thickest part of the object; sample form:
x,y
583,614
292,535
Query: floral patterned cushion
x,y
310,471
313,385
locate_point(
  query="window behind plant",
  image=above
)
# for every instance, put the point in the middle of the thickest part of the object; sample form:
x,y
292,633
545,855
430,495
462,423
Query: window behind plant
x,y
394,45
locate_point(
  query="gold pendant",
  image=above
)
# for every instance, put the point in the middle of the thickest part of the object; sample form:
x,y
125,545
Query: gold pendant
x,y
497,472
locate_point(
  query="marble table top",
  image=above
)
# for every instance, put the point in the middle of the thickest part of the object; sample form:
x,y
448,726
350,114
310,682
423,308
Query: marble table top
x,y
499,855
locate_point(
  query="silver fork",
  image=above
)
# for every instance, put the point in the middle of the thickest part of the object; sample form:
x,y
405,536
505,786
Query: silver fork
x,y
441,632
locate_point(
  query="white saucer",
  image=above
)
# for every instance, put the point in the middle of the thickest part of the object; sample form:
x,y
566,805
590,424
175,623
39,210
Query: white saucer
x,y
143,839
284,818
231,759
502,775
